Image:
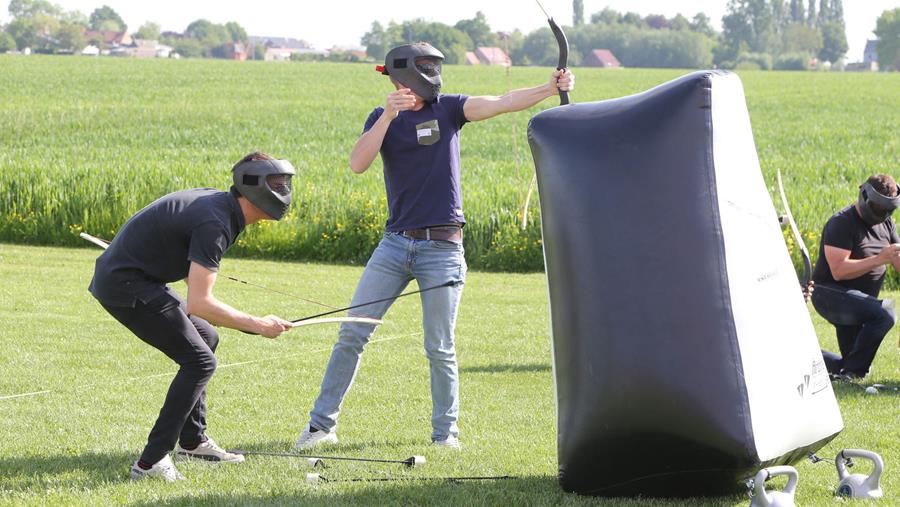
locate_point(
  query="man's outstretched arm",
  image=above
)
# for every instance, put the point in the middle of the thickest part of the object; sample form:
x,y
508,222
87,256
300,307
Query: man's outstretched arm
x,y
487,106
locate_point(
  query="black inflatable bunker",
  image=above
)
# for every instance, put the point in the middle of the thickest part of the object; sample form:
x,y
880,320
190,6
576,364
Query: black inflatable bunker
x,y
684,355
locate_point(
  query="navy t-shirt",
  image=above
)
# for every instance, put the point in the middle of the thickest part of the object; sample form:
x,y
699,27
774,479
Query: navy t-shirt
x,y
420,153
847,231
157,245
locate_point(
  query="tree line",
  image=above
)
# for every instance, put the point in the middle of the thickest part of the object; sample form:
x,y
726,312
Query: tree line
x,y
45,27
756,34
637,41
782,34
764,34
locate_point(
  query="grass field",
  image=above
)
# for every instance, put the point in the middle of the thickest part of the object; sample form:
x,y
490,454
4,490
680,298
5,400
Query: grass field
x,y
86,142
100,389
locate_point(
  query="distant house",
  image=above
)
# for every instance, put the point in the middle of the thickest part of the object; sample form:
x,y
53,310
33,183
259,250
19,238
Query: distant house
x,y
163,51
601,58
358,55
492,56
870,59
140,48
236,51
279,54
870,54
90,50
471,59
280,42
108,38
143,48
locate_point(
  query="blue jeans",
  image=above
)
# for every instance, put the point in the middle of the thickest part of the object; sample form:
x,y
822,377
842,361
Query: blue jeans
x,y
861,322
397,261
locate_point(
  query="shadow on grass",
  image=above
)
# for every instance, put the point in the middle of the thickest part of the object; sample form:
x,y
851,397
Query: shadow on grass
x,y
505,368
287,446
526,490
886,387
94,471
82,471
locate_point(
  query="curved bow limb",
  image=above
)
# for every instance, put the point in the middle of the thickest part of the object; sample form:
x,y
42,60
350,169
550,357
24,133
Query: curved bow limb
x,y
562,62
338,320
807,263
563,43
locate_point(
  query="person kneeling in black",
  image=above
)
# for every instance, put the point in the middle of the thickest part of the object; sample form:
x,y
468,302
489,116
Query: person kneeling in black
x,y
182,236
858,242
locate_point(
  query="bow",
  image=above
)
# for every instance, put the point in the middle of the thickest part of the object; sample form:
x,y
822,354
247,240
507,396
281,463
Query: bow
x,y
313,319
451,283
332,320
807,264
561,63
303,322
563,44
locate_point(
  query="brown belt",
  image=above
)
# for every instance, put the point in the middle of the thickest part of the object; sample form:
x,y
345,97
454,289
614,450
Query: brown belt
x,y
442,233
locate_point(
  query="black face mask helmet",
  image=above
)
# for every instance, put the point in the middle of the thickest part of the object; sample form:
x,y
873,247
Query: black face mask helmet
x,y
266,184
417,67
875,208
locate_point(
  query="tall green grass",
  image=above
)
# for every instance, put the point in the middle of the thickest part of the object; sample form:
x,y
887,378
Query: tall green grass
x,y
87,142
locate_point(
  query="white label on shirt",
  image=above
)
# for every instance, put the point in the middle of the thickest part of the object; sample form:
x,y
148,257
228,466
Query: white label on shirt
x,y
423,133
458,211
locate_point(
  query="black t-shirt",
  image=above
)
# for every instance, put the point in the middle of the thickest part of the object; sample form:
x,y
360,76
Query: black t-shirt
x,y
157,245
847,231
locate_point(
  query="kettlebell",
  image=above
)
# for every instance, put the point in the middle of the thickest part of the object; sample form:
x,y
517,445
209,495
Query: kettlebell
x,y
763,498
858,485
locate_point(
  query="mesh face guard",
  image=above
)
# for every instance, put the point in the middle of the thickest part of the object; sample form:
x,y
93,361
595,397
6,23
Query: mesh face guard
x,y
417,67
266,184
280,184
875,208
429,67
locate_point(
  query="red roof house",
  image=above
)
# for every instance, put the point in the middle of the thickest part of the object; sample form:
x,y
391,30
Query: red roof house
x,y
601,58
492,56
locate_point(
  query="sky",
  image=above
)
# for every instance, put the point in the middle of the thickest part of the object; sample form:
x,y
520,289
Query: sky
x,y
342,23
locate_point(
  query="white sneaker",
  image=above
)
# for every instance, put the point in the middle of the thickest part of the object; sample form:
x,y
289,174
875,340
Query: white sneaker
x,y
309,439
450,442
209,451
164,469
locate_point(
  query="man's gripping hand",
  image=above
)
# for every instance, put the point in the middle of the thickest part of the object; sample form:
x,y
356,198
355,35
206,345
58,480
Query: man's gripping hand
x,y
399,100
890,254
272,326
562,80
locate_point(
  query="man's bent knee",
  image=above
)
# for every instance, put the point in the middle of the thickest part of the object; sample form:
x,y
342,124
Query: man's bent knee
x,y
201,365
887,316
887,306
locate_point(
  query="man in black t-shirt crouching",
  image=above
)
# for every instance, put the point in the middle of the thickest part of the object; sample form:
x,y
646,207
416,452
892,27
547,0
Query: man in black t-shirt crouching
x,y
858,242
182,236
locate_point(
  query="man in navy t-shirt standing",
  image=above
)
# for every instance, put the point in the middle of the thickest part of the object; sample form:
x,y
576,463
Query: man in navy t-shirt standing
x,y
858,242
182,236
417,134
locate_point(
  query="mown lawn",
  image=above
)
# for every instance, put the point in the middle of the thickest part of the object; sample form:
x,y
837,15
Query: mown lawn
x,y
73,444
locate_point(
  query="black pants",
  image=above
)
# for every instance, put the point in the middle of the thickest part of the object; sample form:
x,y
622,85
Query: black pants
x,y
861,322
189,341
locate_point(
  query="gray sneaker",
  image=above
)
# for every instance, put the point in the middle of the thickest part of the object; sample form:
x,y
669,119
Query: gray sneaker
x,y
163,469
209,451
309,439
